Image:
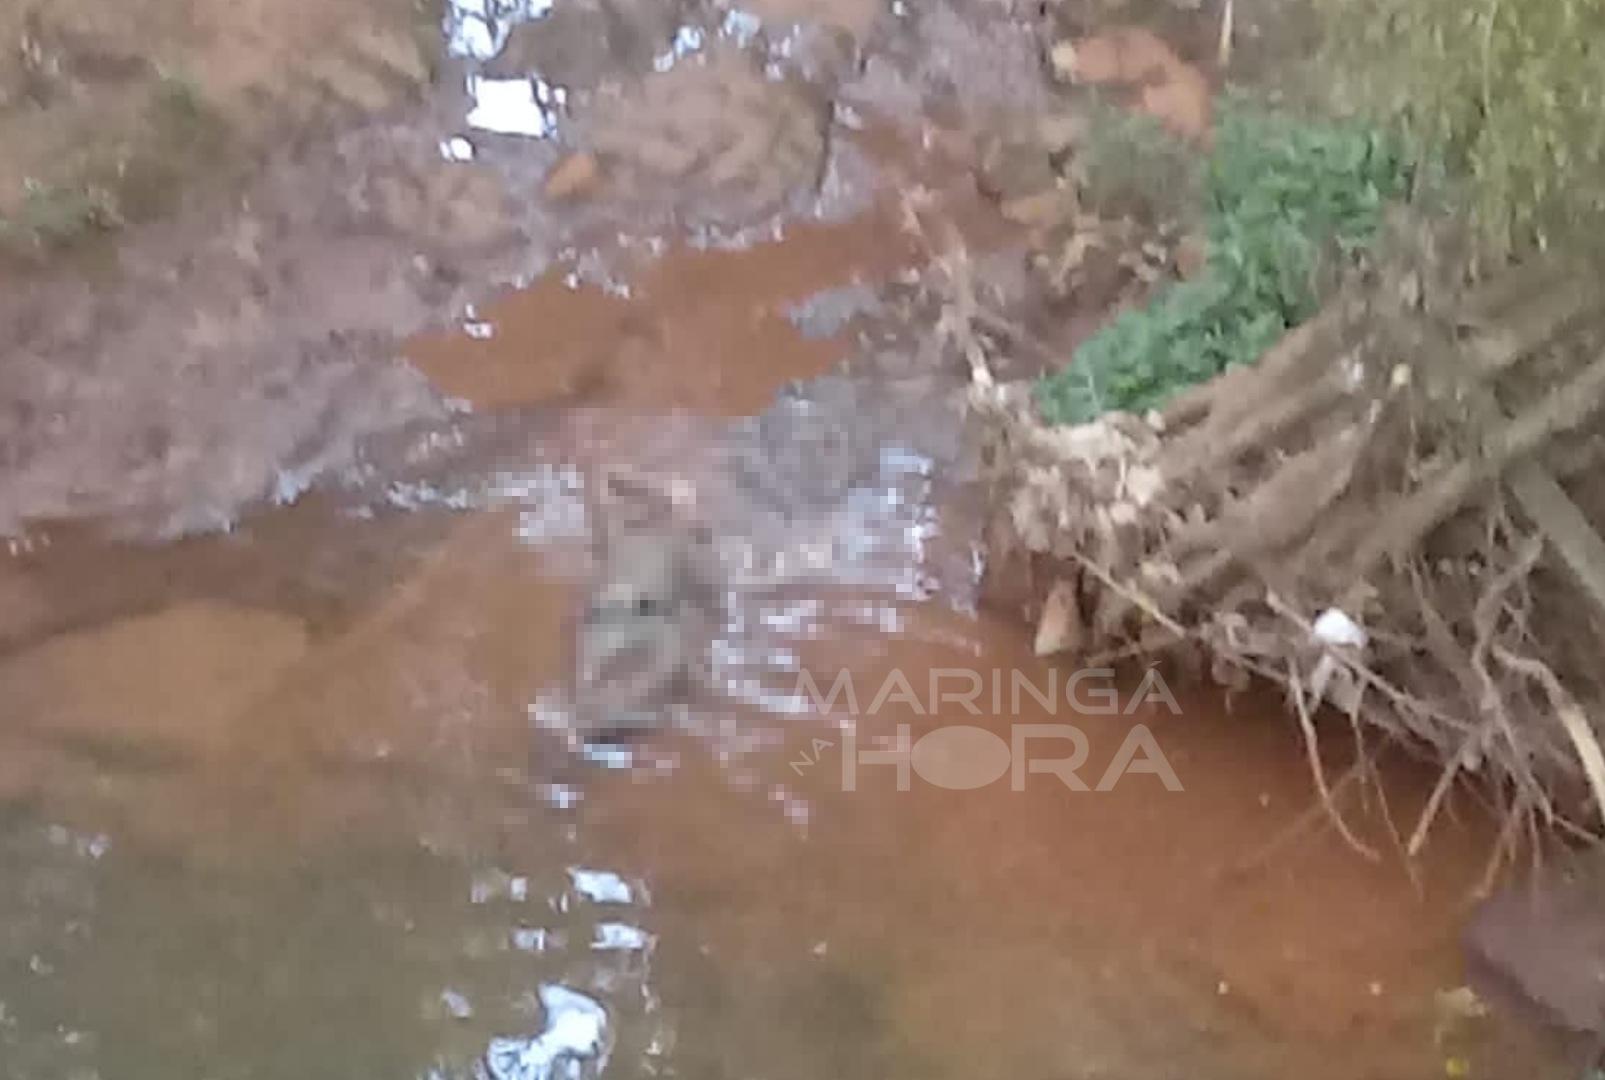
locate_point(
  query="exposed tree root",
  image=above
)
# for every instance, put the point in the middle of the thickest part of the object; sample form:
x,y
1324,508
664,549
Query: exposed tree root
x,y
1355,478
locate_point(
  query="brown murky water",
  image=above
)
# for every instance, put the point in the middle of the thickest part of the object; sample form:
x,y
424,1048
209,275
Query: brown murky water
x,y
280,804
271,806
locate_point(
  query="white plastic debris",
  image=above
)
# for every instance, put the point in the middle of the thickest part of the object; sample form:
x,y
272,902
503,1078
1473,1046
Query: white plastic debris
x,y
601,886
1335,628
1333,680
508,107
457,148
575,1042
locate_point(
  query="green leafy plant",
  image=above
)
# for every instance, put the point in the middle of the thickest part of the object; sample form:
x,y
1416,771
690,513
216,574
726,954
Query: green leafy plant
x,y
1281,195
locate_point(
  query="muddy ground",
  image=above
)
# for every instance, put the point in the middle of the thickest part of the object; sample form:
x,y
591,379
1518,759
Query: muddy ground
x,y
245,266
245,337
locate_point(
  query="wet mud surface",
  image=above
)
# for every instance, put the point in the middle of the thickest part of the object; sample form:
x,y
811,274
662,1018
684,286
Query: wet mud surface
x,y
300,491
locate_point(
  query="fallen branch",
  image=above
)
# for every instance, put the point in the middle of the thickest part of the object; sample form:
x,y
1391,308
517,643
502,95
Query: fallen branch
x,y
1571,718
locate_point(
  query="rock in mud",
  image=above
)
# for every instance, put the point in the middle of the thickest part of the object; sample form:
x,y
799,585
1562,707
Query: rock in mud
x,y
1016,168
821,55
1139,64
715,135
583,44
576,176
1540,947
1192,253
570,46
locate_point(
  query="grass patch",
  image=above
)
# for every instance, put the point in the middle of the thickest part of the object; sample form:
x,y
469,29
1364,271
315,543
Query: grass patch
x,y
53,216
1509,94
132,172
1282,197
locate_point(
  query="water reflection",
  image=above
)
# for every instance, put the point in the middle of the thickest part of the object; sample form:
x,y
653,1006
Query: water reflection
x,y
398,963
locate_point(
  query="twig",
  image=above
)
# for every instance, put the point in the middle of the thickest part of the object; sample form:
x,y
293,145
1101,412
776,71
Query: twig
x,y
1135,596
1224,55
1571,717
1393,829
1446,779
1504,848
1400,698
1484,620
1296,685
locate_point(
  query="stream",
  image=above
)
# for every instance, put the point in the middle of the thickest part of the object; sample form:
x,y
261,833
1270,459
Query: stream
x,y
297,799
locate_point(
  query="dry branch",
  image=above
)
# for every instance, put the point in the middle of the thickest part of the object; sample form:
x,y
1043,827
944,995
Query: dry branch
x,y
1322,478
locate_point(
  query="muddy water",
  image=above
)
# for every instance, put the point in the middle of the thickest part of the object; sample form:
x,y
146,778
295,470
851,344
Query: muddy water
x,y
274,804
293,801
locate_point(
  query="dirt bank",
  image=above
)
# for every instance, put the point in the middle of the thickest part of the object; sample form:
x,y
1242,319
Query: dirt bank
x,y
225,354
119,114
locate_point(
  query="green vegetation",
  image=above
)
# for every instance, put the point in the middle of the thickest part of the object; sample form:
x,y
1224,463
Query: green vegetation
x,y
126,176
52,216
1281,195
1509,95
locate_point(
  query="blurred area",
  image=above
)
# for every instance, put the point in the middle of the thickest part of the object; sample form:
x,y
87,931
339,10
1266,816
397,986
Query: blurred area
x,y
321,325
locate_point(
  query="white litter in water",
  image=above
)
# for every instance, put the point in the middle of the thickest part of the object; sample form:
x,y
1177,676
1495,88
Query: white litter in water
x,y
508,107
457,148
1336,628
601,886
479,331
620,937
575,1042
